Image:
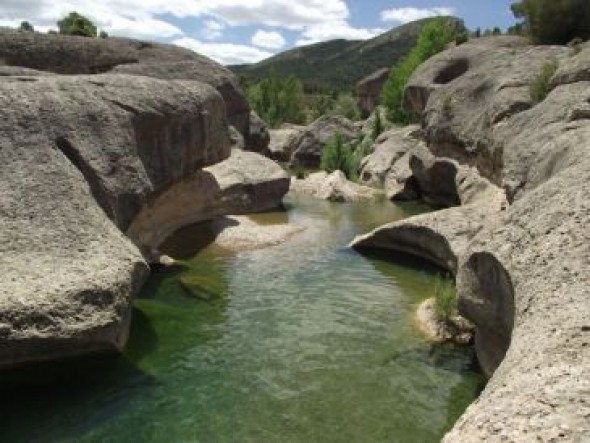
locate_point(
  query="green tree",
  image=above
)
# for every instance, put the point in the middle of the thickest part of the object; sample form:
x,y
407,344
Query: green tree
x,y
433,38
76,24
554,21
26,27
338,156
277,101
496,31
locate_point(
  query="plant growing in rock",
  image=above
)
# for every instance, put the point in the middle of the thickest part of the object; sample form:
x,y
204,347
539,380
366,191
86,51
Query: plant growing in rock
x,y
377,127
445,297
541,87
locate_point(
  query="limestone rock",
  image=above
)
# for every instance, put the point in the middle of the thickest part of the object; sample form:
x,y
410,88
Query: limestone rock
x,y
283,143
258,137
368,90
309,145
454,329
246,182
81,55
333,187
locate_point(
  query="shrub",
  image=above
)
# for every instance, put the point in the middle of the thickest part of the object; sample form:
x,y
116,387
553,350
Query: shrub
x,y
26,27
575,45
553,21
339,156
76,24
346,106
445,297
103,34
540,87
377,128
461,38
433,38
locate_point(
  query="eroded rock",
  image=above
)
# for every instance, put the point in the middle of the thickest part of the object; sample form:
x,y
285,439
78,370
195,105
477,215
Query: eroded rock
x,y
333,187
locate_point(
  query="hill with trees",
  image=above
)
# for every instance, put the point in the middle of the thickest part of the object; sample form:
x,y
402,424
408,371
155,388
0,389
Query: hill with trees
x,y
337,65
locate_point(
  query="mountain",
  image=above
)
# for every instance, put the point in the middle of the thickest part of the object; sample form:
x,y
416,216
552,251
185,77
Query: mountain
x,y
340,64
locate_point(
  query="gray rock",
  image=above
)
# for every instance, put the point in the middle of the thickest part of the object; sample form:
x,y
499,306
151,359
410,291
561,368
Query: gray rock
x,y
333,187
80,156
311,142
258,136
81,55
368,91
523,276
283,142
246,182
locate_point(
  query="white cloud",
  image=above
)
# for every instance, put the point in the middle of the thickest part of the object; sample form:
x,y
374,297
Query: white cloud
x,y
142,28
406,15
268,39
333,30
224,53
212,29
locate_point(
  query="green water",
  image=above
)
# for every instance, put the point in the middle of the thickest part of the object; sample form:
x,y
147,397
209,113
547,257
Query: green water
x,y
306,341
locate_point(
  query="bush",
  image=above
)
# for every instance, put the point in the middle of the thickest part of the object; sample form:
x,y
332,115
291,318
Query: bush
x,y
338,156
540,87
553,21
461,38
433,38
445,297
103,34
76,24
26,27
377,128
346,106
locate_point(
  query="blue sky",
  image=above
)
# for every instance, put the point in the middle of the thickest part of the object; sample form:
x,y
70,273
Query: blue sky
x,y
242,31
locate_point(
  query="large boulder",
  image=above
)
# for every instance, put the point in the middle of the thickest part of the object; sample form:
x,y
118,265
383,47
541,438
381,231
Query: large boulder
x,y
470,92
282,142
308,145
81,55
258,137
246,182
368,91
522,272
80,156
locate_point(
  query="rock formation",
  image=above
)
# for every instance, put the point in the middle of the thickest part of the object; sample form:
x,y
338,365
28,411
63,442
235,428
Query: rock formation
x,y
333,187
522,270
282,142
307,146
368,91
84,157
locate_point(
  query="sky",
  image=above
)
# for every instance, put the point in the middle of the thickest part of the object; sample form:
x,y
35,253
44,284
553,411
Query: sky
x,y
247,31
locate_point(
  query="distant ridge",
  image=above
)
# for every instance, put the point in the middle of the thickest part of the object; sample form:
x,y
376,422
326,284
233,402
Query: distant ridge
x,y
340,64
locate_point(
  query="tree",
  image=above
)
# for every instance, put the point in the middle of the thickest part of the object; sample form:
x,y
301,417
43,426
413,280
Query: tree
x,y
76,24
433,38
496,31
103,34
26,27
554,21
277,101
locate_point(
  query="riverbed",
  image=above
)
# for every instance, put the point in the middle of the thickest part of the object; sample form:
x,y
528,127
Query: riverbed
x,y
304,341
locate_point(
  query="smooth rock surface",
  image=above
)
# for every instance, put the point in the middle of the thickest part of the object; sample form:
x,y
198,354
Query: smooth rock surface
x,y
81,55
246,182
333,187
308,146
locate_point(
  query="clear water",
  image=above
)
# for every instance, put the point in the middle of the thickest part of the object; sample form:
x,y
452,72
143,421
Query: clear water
x,y
306,341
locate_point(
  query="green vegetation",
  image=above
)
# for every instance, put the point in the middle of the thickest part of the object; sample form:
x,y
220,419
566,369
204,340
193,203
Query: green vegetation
x,y
445,297
540,87
377,127
26,27
278,101
346,106
337,65
433,38
554,21
76,24
103,34
338,156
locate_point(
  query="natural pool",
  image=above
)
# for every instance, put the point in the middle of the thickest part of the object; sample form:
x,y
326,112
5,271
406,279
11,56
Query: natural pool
x,y
306,341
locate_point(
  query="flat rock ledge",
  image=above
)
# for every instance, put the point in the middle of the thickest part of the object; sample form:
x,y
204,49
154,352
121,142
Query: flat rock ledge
x,y
333,187
455,329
